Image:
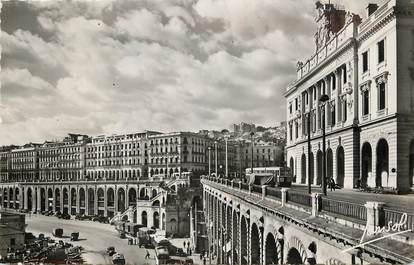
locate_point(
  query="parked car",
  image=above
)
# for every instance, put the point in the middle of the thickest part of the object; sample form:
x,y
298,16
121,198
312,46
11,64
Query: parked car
x,y
57,214
110,251
74,236
81,217
122,234
99,218
58,232
65,216
118,259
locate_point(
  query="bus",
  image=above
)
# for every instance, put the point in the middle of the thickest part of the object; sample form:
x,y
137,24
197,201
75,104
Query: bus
x,y
273,176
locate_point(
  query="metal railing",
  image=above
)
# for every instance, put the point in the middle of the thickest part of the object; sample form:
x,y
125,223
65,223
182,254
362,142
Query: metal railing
x,y
273,192
352,210
396,217
244,186
299,198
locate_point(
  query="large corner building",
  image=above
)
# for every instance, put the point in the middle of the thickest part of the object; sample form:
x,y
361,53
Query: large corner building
x,y
366,68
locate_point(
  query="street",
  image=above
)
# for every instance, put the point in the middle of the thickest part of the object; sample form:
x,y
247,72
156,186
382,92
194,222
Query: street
x,y
94,238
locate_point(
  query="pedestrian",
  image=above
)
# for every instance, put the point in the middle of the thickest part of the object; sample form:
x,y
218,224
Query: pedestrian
x,y
189,250
332,184
201,255
147,256
184,244
204,260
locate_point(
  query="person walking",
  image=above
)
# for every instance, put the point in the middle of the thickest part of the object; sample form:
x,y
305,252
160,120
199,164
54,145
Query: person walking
x,y
147,256
332,182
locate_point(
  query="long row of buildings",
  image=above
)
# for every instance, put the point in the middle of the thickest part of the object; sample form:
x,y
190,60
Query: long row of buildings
x,y
131,156
365,69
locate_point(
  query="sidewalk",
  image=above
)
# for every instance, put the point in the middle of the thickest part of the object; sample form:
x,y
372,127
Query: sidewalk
x,y
392,201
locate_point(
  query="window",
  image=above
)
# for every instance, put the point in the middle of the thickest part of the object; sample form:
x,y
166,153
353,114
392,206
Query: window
x,y
381,51
365,62
290,108
333,80
290,132
381,96
296,130
365,102
296,103
333,115
344,114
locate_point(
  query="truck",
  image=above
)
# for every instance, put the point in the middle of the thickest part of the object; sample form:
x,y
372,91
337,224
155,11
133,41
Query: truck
x,y
162,255
58,232
144,237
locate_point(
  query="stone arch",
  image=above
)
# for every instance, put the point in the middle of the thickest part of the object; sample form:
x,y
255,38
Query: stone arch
x,y
11,197
144,218
17,196
271,250
244,226
100,197
329,163
411,164
29,199
311,167
121,199
142,193
82,200
57,200
65,195
156,203
382,168
132,197
110,197
91,201
163,221
235,244
156,220
319,167
366,163
50,199
153,193
73,197
340,166
255,244
296,251
303,169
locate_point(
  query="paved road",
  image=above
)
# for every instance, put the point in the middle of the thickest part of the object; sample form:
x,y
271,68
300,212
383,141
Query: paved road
x,y
95,238
394,202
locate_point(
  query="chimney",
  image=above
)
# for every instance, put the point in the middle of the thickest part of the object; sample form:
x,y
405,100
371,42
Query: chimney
x,y
371,8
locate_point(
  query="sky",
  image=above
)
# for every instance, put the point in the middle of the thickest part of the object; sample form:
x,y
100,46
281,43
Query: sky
x,y
114,67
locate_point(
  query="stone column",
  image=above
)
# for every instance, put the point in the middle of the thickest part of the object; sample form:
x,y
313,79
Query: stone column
x,y
53,200
39,200
69,200
375,215
61,199
239,238
46,199
263,191
87,200
25,199
77,201
315,204
21,196
95,202
284,195
338,76
127,199
106,203
116,201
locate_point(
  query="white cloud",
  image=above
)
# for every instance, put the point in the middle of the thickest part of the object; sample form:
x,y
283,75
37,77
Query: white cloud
x,y
125,66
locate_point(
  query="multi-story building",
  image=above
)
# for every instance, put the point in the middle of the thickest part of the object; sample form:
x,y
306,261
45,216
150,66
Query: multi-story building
x,y
63,160
365,70
118,156
24,164
177,152
264,155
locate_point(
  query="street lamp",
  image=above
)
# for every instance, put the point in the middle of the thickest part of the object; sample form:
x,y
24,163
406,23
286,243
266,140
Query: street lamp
x,y
323,99
227,165
251,135
209,161
215,148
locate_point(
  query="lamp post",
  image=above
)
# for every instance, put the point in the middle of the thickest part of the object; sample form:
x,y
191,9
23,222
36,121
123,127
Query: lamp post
x,y
227,165
323,99
215,149
209,161
309,152
252,134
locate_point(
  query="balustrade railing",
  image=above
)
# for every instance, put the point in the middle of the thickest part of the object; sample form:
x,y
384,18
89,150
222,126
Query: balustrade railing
x,y
244,186
273,192
344,208
299,198
396,217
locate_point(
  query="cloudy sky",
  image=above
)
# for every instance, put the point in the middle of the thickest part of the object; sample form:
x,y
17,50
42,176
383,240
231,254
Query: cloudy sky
x,y
103,67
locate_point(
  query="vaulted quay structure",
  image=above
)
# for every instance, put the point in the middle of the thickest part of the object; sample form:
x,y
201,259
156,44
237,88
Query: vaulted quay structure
x,y
266,225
